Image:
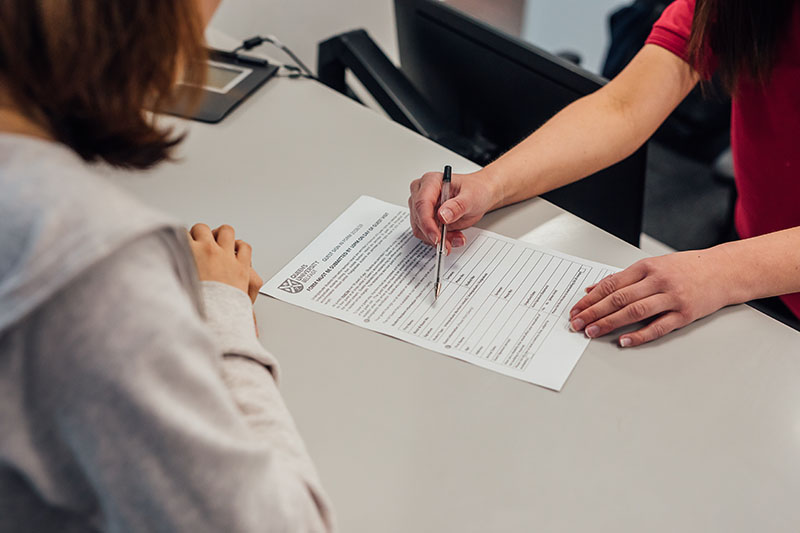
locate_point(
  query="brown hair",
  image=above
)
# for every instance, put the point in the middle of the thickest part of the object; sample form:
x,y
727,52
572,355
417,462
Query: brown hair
x,y
744,37
87,69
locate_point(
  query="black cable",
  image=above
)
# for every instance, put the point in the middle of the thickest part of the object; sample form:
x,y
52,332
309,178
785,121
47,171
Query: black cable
x,y
294,72
252,42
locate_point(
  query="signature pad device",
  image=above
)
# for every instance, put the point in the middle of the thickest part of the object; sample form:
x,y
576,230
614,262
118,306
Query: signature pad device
x,y
230,79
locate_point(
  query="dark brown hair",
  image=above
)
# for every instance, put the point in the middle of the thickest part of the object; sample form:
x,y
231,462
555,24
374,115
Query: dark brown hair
x,y
744,37
86,70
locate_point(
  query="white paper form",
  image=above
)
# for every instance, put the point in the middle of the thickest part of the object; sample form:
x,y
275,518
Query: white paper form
x,y
504,304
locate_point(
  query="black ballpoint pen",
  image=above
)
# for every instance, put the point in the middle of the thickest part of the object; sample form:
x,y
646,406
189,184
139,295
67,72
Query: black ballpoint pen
x,y
446,177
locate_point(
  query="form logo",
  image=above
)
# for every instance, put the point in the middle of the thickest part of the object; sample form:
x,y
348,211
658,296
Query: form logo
x,y
291,286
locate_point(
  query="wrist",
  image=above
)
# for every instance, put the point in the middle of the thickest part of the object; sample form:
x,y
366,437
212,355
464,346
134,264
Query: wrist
x,y
735,285
492,179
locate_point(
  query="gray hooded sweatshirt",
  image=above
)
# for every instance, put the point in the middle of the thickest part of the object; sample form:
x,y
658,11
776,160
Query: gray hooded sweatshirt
x,y
132,396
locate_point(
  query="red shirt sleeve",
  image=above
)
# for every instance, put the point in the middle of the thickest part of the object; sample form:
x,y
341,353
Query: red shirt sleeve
x,y
672,30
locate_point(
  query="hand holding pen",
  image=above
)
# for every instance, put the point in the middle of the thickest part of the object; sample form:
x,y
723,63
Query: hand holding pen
x,y
471,196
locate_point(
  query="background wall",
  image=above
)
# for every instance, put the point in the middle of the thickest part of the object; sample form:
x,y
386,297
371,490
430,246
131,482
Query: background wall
x,y
301,24
578,25
555,25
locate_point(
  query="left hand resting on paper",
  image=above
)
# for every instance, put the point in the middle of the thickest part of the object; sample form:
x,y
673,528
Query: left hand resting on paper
x,y
674,290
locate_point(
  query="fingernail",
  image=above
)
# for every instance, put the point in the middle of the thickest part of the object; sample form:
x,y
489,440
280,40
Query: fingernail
x,y
458,241
446,214
433,237
625,341
592,331
573,313
577,324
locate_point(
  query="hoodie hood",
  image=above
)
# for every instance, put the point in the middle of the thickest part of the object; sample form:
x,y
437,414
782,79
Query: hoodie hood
x,y
58,217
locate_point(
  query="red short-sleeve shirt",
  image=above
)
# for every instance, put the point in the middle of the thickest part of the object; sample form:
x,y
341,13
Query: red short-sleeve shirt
x,y
765,132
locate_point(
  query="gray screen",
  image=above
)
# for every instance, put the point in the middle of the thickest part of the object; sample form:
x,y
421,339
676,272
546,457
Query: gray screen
x,y
219,77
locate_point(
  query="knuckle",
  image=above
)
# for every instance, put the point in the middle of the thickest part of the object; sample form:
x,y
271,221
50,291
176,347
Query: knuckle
x,y
608,286
646,265
619,299
460,203
680,298
637,310
419,204
686,315
658,330
589,315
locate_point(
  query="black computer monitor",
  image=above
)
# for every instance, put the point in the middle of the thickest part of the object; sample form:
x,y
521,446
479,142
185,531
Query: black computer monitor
x,y
496,89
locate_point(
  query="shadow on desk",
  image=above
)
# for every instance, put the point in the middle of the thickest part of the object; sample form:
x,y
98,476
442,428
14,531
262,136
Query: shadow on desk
x,y
775,308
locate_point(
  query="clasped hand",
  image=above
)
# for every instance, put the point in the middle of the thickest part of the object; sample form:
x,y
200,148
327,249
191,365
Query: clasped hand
x,y
221,257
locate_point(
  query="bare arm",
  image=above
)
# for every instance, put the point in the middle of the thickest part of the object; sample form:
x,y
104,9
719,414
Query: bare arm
x,y
598,130
768,265
682,287
588,135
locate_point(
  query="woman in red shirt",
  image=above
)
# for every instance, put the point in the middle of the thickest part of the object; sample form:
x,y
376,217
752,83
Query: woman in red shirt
x,y
755,47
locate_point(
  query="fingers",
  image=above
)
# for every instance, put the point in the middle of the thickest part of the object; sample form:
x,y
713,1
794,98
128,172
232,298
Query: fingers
x,y
254,285
456,239
635,312
244,252
655,329
424,197
620,299
607,286
201,233
225,236
415,227
455,208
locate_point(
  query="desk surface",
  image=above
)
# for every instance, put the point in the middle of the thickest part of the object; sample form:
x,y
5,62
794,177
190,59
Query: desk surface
x,y
699,431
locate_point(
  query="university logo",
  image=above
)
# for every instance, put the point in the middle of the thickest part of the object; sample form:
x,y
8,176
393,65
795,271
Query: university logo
x,y
291,286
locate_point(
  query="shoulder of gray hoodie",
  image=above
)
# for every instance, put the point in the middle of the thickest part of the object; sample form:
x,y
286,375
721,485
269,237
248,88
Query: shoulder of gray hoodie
x,y
132,396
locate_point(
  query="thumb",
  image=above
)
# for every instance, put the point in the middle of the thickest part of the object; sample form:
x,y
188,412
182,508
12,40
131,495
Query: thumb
x,y
455,208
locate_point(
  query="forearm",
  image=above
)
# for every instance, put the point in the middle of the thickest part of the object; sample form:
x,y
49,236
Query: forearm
x,y
764,266
257,397
172,435
588,135
595,131
250,373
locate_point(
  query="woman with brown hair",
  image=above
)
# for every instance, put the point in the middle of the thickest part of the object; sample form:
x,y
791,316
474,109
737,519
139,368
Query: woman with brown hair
x,y
134,393
755,47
